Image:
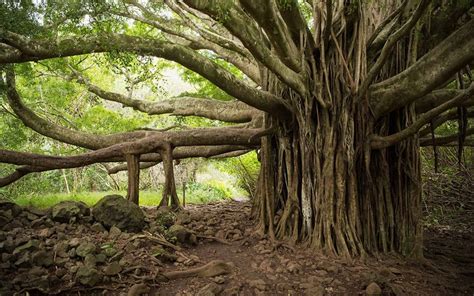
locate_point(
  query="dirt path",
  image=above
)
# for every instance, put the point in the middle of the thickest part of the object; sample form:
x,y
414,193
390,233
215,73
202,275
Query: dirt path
x,y
259,270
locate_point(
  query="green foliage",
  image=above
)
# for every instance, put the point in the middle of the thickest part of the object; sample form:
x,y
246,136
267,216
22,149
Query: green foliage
x,y
204,88
204,193
246,168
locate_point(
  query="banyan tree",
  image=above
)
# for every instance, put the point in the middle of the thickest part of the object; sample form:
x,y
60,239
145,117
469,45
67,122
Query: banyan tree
x,y
336,95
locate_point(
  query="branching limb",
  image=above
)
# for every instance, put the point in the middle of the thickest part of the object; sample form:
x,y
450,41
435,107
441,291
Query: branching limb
x,y
267,15
392,40
432,70
450,140
236,19
438,97
235,111
449,115
378,142
34,50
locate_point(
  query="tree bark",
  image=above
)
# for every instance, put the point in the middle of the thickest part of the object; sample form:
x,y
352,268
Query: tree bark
x,y
133,166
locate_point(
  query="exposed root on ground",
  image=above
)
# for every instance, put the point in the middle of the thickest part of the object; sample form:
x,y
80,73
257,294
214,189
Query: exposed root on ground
x,y
213,268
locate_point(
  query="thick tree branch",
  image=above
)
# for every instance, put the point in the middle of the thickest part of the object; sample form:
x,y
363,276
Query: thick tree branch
x,y
243,27
432,70
446,116
378,142
44,49
446,140
390,43
267,15
438,97
234,111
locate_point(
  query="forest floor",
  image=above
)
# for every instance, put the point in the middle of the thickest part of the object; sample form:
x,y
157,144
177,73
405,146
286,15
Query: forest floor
x,y
240,263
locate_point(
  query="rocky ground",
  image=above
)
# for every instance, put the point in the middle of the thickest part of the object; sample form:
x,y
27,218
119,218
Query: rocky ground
x,y
114,249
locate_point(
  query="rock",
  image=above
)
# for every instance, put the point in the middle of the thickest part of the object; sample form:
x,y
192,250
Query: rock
x,y
293,267
61,249
100,258
88,276
182,234
373,289
46,232
114,232
74,242
113,268
219,280
116,210
138,289
98,227
258,284
14,209
85,248
165,217
67,211
183,218
90,260
332,268
30,245
5,217
24,260
211,289
164,256
42,258
321,273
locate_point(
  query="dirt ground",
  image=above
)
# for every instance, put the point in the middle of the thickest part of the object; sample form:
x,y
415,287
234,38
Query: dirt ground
x,y
252,265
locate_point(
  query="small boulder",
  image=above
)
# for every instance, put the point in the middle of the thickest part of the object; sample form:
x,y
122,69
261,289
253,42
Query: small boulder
x,y
10,206
88,276
67,211
116,210
97,227
28,246
113,268
114,232
90,260
210,289
373,289
182,234
42,258
164,256
165,217
85,248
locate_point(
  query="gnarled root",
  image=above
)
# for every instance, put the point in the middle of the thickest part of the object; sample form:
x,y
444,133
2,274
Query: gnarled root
x,y
213,268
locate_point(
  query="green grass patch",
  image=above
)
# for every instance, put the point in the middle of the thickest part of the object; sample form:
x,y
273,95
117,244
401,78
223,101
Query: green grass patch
x,y
196,193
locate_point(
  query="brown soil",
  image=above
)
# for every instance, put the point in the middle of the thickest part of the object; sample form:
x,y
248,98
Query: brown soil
x,y
257,267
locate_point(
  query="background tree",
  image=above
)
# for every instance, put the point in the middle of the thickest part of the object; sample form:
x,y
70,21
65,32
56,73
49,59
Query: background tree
x,y
337,90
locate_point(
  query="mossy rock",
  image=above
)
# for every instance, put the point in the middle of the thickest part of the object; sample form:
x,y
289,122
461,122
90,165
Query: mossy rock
x,y
115,210
165,217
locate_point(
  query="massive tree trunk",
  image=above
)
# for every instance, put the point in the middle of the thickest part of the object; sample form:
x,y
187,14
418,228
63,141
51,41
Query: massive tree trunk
x,y
321,183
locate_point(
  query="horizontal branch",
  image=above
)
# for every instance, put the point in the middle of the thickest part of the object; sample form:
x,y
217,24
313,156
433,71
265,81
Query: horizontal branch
x,y
378,142
234,111
438,97
147,160
432,70
445,140
34,50
446,116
